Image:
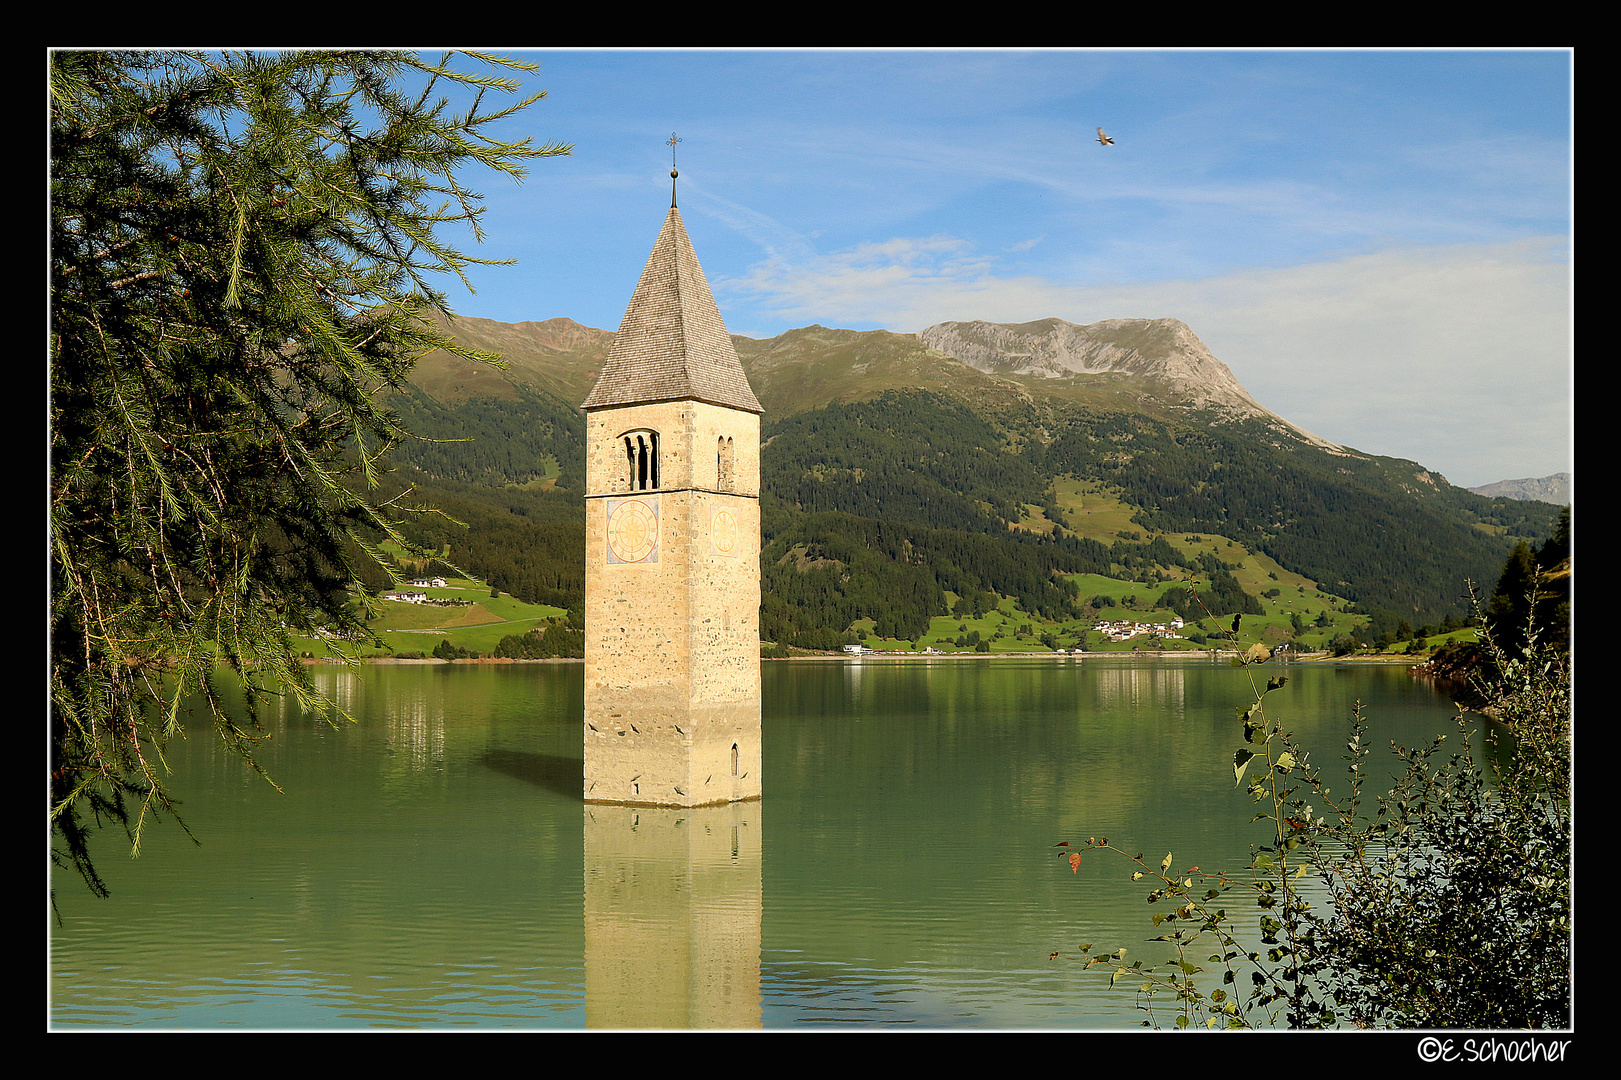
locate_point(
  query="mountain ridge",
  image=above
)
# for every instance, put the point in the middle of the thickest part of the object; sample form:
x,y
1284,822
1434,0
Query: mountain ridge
x,y
1554,488
1152,365
1158,350
1109,361
884,427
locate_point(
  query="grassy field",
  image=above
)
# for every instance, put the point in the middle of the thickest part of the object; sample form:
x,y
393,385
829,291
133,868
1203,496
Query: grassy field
x,y
1090,510
477,627
415,629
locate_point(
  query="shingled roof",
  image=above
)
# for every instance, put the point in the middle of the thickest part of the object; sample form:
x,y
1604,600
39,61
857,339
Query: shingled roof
x,y
672,344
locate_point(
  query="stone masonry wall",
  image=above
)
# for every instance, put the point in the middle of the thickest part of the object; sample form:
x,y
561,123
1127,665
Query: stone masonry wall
x,y
672,672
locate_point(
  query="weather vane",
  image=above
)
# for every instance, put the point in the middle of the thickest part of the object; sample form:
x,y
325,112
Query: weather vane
x,y
672,141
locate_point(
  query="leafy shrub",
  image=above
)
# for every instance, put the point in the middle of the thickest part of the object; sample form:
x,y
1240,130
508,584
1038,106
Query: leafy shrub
x,y
1444,903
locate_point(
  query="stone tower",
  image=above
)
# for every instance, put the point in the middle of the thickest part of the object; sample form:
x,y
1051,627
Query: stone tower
x,y
672,557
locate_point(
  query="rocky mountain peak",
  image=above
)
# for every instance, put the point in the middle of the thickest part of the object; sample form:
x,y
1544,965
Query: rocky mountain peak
x,y
1165,352
1555,489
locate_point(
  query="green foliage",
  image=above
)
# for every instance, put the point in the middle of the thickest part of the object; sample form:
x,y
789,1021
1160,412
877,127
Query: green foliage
x,y
830,570
1450,901
822,572
1223,596
877,509
476,462
244,247
446,650
1444,903
523,541
1533,589
555,639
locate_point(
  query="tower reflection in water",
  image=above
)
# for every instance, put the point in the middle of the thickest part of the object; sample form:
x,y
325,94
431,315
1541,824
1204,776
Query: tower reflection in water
x,y
672,916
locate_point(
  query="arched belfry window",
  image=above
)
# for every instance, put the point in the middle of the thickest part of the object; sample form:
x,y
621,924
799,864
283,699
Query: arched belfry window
x,y
641,460
724,479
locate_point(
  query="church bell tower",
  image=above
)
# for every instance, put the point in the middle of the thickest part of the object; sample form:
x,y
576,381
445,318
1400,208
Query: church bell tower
x,y
672,559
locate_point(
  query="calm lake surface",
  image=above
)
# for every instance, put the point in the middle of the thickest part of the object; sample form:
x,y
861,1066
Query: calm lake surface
x,y
432,865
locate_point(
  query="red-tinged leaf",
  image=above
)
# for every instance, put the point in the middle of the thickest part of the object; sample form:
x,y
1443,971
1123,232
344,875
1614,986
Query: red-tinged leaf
x,y
1062,843
1074,861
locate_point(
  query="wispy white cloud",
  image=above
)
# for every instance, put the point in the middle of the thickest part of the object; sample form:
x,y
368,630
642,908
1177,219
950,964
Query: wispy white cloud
x,y
1457,356
883,283
774,239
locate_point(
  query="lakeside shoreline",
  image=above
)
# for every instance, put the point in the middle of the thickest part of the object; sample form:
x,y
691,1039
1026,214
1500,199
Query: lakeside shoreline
x,y
1173,654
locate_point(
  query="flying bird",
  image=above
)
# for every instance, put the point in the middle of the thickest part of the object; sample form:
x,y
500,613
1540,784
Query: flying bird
x,y
1104,139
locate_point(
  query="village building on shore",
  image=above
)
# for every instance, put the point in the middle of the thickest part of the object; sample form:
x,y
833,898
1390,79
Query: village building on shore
x,y
1124,629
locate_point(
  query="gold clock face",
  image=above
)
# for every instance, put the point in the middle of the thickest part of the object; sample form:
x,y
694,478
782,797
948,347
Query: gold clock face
x,y
723,532
633,530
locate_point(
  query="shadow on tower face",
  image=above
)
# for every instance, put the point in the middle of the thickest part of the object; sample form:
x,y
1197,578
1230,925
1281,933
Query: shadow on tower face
x,y
672,917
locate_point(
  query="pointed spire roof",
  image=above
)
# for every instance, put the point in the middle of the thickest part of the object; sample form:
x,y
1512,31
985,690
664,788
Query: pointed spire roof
x,y
672,344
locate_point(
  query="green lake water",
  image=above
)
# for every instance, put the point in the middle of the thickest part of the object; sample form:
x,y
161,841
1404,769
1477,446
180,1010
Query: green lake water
x,y
432,865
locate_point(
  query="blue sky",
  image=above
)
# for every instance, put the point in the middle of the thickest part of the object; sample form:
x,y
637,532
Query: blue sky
x,y
1377,243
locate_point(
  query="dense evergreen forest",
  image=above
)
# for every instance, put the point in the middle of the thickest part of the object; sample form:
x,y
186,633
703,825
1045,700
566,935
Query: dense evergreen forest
x,y
493,441
915,457
880,508
506,477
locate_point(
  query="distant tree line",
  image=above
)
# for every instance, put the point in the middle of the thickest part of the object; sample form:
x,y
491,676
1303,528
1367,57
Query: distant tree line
x,y
822,572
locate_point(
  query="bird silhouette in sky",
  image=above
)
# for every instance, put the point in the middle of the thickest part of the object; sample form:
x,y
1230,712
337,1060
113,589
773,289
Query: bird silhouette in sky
x,y
1104,139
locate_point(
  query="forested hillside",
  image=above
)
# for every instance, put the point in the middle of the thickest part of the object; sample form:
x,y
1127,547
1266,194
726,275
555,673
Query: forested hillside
x,y
493,441
527,541
915,457
883,501
1366,528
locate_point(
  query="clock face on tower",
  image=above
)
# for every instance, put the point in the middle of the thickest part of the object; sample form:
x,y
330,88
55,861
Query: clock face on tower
x,y
633,530
723,531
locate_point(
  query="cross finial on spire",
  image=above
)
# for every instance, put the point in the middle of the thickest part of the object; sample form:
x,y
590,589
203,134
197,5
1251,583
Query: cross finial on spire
x,y
672,141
